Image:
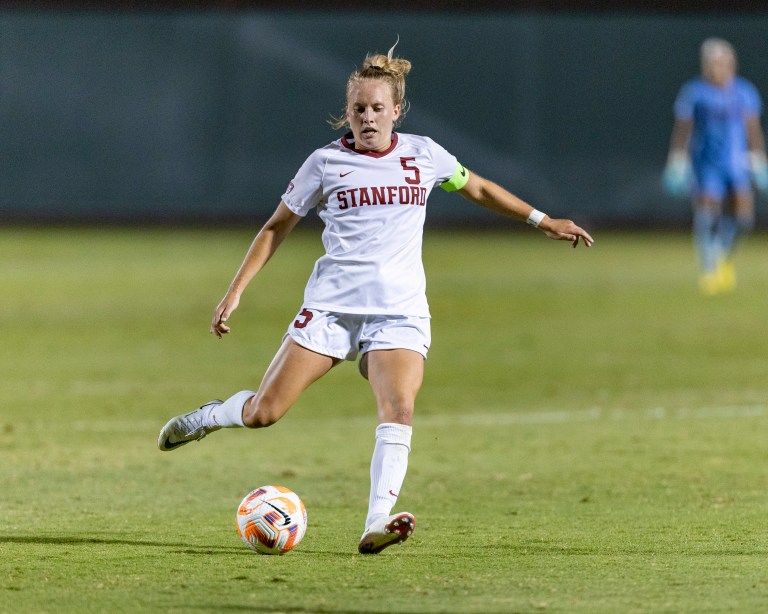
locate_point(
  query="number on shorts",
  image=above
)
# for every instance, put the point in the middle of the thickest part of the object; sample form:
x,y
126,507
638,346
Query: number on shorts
x,y
307,315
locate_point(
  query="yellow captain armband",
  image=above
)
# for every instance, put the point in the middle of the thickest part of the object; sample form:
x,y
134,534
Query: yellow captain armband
x,y
457,181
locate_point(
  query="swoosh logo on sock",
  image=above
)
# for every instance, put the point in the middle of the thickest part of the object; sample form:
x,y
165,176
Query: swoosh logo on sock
x,y
394,494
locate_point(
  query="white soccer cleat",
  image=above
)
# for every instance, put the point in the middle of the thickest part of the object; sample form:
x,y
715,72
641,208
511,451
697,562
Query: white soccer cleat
x,y
386,532
185,428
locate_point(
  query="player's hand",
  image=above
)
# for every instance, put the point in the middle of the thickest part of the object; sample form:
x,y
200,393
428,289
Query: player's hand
x,y
565,230
223,310
677,179
758,166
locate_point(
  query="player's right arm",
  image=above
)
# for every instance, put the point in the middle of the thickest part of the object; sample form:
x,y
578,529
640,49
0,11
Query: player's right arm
x,y
684,106
681,136
677,177
677,172
265,244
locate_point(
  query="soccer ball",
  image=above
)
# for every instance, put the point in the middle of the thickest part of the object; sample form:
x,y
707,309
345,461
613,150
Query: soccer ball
x,y
271,520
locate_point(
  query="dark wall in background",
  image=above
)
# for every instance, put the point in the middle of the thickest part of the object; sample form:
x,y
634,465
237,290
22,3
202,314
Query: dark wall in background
x,y
205,116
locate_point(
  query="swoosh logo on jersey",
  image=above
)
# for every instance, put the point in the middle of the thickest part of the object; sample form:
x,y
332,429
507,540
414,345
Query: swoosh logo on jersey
x,y
345,174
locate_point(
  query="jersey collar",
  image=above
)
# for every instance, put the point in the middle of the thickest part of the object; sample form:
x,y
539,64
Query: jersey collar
x,y
348,141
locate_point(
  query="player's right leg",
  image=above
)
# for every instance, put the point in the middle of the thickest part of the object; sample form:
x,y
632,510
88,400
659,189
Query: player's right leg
x,y
293,369
706,213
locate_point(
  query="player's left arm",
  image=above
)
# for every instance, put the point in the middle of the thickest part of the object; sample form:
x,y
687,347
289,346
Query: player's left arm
x,y
755,136
758,163
490,195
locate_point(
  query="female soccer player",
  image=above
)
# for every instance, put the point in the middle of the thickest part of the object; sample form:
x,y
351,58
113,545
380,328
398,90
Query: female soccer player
x,y
717,135
366,295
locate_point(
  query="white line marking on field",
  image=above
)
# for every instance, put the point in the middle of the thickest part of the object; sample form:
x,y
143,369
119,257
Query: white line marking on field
x,y
596,414
492,418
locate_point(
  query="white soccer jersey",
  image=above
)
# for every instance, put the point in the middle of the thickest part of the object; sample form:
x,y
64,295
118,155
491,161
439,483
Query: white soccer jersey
x,y
373,207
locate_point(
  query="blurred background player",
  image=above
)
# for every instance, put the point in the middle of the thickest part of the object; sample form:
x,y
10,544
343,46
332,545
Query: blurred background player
x,y
716,151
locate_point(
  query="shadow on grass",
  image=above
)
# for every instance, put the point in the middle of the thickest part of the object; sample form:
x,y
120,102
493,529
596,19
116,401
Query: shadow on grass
x,y
175,548
274,608
68,540
488,551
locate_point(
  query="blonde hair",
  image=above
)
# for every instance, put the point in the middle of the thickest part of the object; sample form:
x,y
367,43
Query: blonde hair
x,y
385,68
714,47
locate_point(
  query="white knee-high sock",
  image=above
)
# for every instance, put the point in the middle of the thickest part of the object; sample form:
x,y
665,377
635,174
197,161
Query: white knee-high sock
x,y
230,412
388,467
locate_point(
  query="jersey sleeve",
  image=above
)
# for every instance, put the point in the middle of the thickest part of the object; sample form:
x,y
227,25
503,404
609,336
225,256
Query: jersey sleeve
x,y
445,163
305,190
684,102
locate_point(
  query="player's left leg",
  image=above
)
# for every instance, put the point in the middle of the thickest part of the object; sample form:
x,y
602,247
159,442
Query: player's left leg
x,y
738,219
395,376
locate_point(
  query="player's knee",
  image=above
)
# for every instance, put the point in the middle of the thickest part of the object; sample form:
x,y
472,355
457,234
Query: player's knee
x,y
704,218
259,412
397,409
745,222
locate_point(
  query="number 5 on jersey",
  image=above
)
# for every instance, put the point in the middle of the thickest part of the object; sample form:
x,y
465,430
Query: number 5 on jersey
x,y
416,179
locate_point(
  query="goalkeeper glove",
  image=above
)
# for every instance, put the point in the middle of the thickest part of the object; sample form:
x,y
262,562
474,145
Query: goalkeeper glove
x,y
758,166
678,178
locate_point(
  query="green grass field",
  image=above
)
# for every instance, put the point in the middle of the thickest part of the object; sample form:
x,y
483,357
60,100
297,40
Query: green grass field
x,y
590,436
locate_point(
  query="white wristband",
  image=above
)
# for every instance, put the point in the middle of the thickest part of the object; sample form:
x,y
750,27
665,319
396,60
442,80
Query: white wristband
x,y
534,219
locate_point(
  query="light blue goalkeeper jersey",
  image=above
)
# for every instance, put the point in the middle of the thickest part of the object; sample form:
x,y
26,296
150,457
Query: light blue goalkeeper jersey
x,y
719,136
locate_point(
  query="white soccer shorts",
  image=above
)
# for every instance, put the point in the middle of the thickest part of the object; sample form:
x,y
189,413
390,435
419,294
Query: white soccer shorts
x,y
347,335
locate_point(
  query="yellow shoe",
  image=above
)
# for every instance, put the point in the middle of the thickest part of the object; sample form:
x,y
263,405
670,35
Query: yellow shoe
x,y
726,276
709,283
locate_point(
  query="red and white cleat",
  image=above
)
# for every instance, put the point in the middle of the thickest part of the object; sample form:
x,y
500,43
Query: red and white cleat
x,y
386,532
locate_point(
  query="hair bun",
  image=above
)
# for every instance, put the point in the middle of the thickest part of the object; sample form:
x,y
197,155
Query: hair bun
x,y
385,68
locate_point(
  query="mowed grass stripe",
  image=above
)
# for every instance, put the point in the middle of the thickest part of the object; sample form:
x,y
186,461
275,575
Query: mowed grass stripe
x,y
497,418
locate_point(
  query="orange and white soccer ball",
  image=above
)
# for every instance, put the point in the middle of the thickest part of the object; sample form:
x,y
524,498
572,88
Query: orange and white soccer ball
x,y
271,520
